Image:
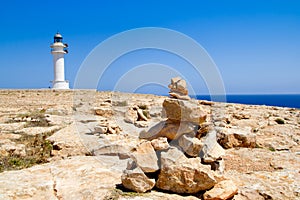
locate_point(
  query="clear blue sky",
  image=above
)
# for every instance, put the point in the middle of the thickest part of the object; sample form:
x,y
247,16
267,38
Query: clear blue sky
x,y
255,44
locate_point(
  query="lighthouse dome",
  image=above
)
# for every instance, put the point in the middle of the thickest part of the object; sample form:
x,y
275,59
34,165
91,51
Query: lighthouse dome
x,y
57,35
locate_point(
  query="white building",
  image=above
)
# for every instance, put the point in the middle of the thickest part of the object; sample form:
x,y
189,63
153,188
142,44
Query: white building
x,y
58,50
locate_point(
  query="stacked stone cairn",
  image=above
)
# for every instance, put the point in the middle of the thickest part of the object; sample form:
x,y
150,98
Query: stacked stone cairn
x,y
178,89
180,154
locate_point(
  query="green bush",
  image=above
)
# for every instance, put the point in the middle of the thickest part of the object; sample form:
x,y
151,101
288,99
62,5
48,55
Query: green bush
x,y
120,103
37,148
143,107
279,121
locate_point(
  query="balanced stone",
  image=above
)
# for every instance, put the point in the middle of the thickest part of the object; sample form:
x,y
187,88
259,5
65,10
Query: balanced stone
x,y
178,89
184,111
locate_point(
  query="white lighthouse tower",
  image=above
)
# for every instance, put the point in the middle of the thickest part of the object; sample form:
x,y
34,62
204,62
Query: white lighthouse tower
x,y
58,50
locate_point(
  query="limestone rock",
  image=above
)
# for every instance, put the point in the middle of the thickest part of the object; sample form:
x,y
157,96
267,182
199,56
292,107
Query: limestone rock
x,y
145,157
141,115
113,128
236,137
206,103
184,111
155,195
137,181
189,176
141,124
218,165
240,116
172,156
100,129
248,195
204,129
114,145
131,164
160,143
178,85
155,111
259,173
191,145
221,191
12,149
123,151
179,96
211,150
169,129
131,115
66,142
104,111
74,178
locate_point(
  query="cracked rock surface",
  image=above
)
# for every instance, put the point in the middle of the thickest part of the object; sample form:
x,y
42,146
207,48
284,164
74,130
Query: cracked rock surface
x,y
86,144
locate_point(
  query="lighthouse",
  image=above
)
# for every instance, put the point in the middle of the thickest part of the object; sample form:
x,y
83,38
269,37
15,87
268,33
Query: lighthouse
x,y
58,50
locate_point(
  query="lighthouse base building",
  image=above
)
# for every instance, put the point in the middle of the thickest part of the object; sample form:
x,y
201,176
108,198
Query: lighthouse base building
x,y
58,50
60,85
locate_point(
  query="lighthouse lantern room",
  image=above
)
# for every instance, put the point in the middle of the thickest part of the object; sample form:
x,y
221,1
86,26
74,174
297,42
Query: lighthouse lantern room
x,y
58,50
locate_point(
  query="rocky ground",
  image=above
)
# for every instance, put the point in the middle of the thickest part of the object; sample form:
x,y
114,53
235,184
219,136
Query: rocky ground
x,y
76,144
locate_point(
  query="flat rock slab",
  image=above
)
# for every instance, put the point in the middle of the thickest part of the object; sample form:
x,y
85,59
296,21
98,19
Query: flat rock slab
x,y
75,178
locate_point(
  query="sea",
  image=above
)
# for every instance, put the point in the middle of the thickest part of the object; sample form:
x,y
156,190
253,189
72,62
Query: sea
x,y
282,100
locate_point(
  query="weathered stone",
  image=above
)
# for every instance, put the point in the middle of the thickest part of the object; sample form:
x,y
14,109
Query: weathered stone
x,y
123,151
160,143
189,176
204,129
68,142
260,173
179,96
181,86
37,130
240,116
100,129
172,156
178,85
221,191
211,150
85,118
104,111
131,164
131,115
12,149
218,165
113,128
141,115
174,80
248,195
169,129
74,178
236,137
191,145
155,111
145,157
159,195
137,181
184,111
141,124
206,103
12,126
